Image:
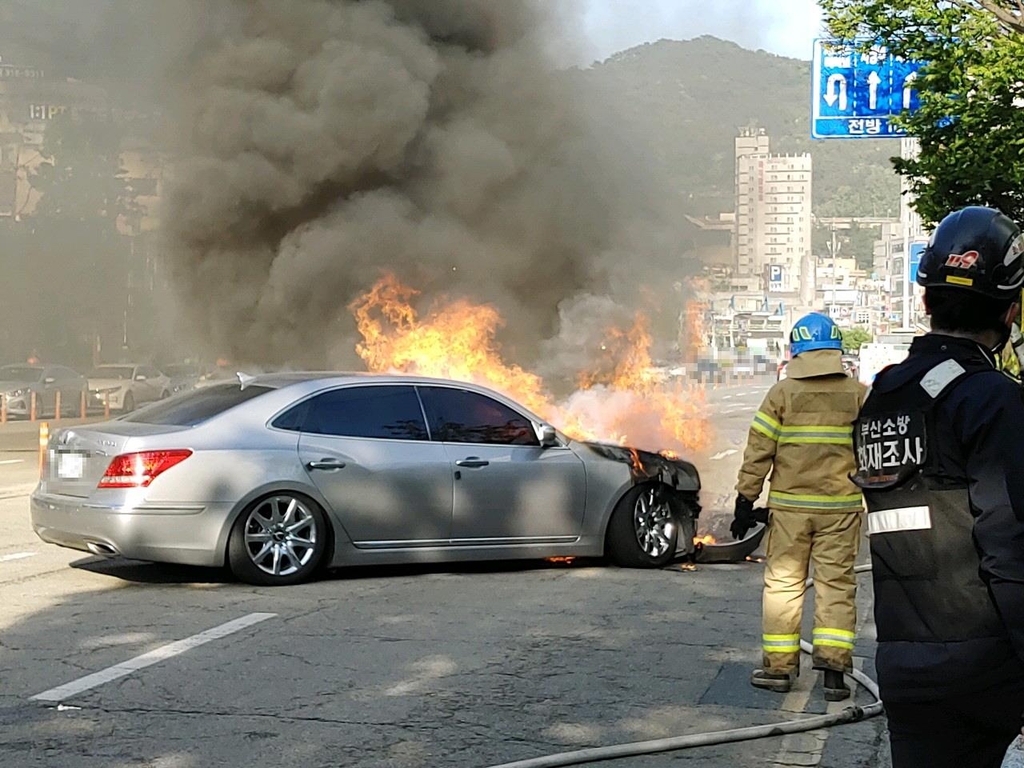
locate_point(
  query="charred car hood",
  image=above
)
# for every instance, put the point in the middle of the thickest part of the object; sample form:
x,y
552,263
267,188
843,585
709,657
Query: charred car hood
x,y
646,466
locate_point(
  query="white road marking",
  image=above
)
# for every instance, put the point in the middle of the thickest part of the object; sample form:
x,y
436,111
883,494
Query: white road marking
x,y
722,454
17,556
727,397
12,461
125,668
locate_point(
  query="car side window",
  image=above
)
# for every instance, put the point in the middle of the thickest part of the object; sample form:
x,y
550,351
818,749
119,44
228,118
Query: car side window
x,y
382,412
460,416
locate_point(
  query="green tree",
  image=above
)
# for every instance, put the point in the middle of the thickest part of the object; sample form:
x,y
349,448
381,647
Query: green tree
x,y
970,125
855,338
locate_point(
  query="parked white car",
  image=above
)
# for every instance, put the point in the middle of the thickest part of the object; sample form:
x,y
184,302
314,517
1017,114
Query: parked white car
x,y
127,386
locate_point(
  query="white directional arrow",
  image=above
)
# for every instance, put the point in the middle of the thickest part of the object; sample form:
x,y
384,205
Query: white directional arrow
x,y
908,89
873,82
836,91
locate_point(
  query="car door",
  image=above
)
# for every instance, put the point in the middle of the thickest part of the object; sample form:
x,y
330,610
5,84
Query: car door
x,y
47,399
507,487
367,450
147,390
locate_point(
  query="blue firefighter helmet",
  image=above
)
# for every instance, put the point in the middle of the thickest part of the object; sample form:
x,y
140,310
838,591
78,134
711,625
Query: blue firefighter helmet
x,y
815,331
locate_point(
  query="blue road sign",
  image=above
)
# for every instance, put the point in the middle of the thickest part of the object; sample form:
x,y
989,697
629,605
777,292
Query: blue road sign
x,y
916,249
856,93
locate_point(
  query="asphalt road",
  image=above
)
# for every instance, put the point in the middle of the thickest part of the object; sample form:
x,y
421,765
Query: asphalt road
x,y
113,663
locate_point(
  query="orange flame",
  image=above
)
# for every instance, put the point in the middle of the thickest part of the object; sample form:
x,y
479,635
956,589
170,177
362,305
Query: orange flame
x,y
621,400
705,539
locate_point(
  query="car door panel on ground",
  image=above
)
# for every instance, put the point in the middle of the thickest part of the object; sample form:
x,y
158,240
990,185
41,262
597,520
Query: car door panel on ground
x,y
507,487
366,449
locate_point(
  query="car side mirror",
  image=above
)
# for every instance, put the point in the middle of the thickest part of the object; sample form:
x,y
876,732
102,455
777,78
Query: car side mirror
x,y
141,377
49,380
547,435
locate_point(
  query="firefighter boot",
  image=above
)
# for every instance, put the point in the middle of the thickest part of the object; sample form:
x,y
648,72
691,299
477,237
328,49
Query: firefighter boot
x,y
836,688
780,682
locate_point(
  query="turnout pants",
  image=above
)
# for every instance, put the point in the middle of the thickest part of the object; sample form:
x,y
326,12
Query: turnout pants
x,y
971,731
830,541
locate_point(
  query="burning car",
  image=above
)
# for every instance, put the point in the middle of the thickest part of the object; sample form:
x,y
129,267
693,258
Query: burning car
x,y
281,474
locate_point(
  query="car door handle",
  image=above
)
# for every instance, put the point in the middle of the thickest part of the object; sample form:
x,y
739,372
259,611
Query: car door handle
x,y
326,464
472,462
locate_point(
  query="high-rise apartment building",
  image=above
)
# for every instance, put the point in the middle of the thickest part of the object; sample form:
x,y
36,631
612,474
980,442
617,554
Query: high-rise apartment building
x,y
773,212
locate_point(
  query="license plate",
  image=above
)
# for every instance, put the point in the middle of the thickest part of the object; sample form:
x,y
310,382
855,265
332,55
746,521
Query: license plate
x,y
70,466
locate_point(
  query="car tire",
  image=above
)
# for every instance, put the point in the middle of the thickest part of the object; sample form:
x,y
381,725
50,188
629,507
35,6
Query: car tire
x,y
128,404
264,527
643,530
164,395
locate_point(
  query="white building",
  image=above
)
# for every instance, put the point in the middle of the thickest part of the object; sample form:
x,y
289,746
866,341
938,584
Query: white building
x,y
773,213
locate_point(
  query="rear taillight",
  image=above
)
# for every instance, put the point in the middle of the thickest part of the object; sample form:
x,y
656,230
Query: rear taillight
x,y
138,470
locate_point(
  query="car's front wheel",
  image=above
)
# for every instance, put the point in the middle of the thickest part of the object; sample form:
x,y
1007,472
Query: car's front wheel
x,y
643,530
278,540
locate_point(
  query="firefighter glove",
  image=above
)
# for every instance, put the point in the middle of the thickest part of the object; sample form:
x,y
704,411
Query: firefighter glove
x,y
743,517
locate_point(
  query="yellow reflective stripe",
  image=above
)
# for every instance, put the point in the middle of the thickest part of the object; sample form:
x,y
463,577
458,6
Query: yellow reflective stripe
x,y
818,429
758,427
844,634
844,644
835,440
766,425
781,643
817,435
813,502
835,638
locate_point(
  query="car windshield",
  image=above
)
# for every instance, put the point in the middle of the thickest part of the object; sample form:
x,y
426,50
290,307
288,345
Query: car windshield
x,y
194,408
112,372
20,373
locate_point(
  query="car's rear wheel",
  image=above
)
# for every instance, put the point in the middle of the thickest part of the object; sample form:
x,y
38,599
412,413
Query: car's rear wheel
x,y
643,530
278,540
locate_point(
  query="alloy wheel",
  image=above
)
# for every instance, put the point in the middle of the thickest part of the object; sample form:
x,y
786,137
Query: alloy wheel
x,y
281,535
653,523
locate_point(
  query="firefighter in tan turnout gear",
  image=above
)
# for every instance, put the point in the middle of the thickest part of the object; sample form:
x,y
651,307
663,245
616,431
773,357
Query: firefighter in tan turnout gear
x,y
803,436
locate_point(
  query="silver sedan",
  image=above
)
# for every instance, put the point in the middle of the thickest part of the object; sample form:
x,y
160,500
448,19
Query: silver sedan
x,y
280,475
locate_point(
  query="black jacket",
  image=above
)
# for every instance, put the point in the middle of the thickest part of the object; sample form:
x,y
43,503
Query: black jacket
x,y
948,535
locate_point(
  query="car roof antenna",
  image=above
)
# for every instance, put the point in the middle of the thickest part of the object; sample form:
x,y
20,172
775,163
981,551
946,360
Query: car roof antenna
x,y
244,379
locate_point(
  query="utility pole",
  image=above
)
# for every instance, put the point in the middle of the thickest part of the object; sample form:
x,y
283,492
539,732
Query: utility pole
x,y
909,149
834,247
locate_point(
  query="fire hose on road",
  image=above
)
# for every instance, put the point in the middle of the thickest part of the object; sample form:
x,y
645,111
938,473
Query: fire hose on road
x,y
852,714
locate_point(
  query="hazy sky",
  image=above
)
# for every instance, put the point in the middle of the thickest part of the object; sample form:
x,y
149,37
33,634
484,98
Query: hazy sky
x,y
782,26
